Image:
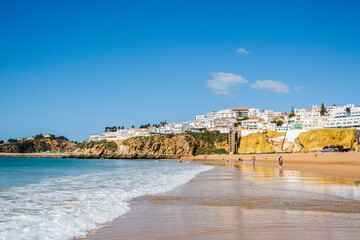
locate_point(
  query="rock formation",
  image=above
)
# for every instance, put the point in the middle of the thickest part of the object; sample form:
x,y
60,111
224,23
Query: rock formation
x,y
152,147
255,143
175,146
317,139
38,146
312,140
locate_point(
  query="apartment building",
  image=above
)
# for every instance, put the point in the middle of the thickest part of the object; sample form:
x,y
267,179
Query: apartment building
x,y
254,112
347,116
240,112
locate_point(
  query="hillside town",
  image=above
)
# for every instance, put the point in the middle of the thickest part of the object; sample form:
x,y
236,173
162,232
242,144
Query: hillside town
x,y
248,120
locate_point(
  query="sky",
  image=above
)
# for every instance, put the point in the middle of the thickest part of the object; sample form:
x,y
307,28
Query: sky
x,y
72,68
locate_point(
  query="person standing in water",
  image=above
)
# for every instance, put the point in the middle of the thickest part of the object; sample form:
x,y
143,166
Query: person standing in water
x,y
280,161
253,160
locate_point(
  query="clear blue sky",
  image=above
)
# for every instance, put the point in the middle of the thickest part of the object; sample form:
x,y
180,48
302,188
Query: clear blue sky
x,y
74,67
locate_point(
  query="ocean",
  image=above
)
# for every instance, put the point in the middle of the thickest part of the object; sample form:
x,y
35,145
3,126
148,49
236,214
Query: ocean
x,y
63,198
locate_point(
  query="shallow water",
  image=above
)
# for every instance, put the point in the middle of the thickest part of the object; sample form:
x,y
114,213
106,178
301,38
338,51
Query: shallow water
x,y
63,198
253,203
302,181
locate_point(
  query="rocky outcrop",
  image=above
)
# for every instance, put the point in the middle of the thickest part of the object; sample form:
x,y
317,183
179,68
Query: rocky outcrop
x,y
312,140
176,146
38,146
222,145
159,146
274,134
316,139
152,147
255,143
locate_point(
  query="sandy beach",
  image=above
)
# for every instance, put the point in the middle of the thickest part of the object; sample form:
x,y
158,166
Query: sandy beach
x,y
239,201
346,165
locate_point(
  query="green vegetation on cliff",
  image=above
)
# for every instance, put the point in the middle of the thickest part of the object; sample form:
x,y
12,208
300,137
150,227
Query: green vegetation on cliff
x,y
107,145
185,144
38,144
208,142
209,151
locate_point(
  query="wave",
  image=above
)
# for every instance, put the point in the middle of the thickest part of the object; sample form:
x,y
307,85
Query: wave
x,y
64,207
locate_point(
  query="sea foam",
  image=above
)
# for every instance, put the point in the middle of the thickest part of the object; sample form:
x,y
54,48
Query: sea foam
x,y
64,207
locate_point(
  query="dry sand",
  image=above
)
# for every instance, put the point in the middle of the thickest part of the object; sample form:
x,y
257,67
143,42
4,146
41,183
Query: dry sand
x,y
345,165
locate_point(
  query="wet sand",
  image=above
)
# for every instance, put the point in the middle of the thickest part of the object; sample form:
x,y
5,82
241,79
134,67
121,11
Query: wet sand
x,y
241,202
346,165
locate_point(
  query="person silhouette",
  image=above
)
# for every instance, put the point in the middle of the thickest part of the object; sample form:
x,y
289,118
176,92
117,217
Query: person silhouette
x,y
281,161
253,159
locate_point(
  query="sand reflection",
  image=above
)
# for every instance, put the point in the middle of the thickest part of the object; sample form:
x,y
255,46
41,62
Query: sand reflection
x,y
236,200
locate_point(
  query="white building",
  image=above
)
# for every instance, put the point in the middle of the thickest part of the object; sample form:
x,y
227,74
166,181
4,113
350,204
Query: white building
x,y
210,116
200,118
181,127
240,112
254,112
228,113
343,122
319,122
347,116
251,124
95,137
266,126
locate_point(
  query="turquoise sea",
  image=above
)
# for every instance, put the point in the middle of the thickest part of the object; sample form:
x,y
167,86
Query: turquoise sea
x,y
42,198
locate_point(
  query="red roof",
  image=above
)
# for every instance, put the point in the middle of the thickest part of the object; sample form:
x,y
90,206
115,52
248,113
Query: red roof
x,y
239,109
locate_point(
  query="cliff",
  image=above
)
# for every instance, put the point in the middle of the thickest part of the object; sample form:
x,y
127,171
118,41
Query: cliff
x,y
38,146
176,146
317,139
307,141
155,147
254,143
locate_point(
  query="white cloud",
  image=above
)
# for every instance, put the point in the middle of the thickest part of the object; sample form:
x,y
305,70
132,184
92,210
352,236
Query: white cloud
x,y
242,51
222,82
302,90
275,86
298,89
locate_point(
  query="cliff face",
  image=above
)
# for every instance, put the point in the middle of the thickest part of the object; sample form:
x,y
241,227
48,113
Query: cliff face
x,y
38,146
307,141
139,147
175,146
158,146
153,147
317,139
254,143
95,149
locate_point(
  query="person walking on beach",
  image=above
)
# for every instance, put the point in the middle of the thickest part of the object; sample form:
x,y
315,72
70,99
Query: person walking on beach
x,y
280,161
253,159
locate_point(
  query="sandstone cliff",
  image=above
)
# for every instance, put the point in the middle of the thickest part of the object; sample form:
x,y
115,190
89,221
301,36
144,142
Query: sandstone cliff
x,y
317,139
175,146
254,143
307,141
38,146
154,147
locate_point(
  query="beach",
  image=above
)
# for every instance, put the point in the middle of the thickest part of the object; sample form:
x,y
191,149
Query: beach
x,y
345,165
239,201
